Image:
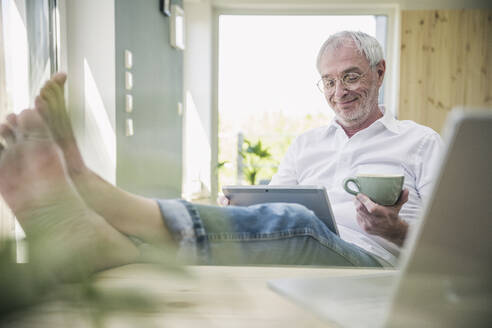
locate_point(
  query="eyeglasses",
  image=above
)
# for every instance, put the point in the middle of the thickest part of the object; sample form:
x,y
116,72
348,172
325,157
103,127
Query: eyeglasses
x,y
349,81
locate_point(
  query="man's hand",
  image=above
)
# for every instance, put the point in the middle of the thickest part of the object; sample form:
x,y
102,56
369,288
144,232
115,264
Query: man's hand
x,y
381,220
222,200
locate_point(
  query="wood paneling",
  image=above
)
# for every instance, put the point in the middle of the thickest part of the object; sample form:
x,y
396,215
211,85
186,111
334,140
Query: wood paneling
x,y
446,61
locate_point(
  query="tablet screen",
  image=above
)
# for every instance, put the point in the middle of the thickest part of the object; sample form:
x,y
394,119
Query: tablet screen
x,y
314,198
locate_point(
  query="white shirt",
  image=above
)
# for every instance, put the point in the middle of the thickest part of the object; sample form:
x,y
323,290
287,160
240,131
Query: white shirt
x,y
326,156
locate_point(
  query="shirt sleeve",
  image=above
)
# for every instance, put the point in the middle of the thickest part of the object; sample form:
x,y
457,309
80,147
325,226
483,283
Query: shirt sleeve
x,y
287,172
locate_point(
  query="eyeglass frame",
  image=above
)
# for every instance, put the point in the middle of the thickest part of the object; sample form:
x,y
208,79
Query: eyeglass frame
x,y
323,90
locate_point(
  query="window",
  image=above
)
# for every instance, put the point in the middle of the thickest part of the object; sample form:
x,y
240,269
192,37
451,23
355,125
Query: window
x,y
28,56
30,48
267,86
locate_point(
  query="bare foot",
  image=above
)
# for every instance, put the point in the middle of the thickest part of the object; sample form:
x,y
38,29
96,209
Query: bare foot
x,y
35,185
128,213
51,106
30,169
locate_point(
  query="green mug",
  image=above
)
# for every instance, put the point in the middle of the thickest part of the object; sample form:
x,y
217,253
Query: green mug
x,y
382,189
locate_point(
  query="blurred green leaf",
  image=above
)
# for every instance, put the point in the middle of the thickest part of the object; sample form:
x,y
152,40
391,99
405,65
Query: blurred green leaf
x,y
44,279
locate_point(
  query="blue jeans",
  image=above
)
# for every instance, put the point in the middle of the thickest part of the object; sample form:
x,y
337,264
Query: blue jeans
x,y
274,233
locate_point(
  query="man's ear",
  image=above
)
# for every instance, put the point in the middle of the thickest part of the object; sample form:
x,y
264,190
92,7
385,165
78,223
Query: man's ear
x,y
381,69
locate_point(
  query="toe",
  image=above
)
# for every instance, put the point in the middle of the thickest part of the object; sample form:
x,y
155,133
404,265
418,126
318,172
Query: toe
x,y
12,119
50,93
7,134
41,106
30,122
59,98
60,78
46,90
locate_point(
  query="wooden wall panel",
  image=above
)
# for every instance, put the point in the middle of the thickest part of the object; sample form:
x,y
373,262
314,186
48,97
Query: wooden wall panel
x,y
446,61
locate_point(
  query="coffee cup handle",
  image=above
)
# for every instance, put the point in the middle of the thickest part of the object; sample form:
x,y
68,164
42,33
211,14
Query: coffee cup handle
x,y
346,186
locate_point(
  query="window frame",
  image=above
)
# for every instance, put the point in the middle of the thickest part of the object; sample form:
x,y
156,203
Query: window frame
x,y
391,87
8,225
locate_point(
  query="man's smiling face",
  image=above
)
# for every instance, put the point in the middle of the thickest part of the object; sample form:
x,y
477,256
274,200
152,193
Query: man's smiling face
x,y
352,103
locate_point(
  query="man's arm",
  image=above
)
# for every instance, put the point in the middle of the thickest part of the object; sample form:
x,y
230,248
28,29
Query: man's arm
x,y
287,173
385,221
382,221
430,158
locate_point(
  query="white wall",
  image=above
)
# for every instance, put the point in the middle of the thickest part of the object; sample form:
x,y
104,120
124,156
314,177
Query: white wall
x,y
198,91
90,62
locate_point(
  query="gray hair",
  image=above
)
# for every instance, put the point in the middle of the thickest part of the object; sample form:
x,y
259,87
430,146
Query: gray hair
x,y
366,44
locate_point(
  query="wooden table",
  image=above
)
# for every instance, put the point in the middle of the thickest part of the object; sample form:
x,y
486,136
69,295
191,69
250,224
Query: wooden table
x,y
209,296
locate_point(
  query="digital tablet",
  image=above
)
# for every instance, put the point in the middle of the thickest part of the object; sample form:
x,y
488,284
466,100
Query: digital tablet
x,y
314,198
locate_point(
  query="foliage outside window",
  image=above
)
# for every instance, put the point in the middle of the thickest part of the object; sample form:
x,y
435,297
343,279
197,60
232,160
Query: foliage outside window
x,y
255,158
276,132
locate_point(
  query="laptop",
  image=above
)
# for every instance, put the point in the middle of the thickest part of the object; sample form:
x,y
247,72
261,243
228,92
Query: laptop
x,y
446,266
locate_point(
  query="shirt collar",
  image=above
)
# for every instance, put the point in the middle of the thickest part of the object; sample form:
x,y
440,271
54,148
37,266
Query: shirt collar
x,y
333,125
388,121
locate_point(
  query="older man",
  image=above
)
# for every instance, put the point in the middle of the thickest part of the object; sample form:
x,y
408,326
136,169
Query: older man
x,y
363,138
360,136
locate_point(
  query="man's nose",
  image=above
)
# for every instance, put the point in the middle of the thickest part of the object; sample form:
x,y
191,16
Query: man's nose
x,y
340,89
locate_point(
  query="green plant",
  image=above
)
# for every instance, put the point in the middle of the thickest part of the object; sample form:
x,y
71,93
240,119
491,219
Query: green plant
x,y
254,155
23,286
220,165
